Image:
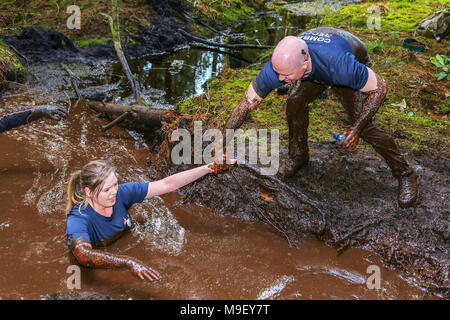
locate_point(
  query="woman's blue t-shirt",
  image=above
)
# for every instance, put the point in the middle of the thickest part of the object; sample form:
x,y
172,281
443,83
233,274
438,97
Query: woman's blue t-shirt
x,y
87,224
333,63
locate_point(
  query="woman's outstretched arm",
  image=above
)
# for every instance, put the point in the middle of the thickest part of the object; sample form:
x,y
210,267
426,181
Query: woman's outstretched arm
x,y
178,180
88,257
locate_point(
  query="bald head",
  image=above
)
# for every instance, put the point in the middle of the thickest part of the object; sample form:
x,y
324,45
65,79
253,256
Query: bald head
x,y
289,56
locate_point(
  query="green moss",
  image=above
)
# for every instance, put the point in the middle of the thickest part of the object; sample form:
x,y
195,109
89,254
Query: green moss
x,y
90,42
396,15
376,46
226,12
52,14
273,6
444,108
10,66
393,62
423,131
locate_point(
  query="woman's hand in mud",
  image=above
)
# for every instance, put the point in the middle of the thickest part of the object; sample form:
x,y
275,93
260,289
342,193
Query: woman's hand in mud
x,y
143,271
222,166
352,139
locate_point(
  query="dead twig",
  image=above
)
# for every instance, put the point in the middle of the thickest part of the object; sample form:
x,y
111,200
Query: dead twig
x,y
222,45
114,27
116,121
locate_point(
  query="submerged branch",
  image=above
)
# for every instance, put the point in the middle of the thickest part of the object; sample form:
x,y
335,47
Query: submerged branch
x,y
222,45
123,61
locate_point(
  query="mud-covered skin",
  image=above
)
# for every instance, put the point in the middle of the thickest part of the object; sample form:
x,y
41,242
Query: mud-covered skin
x,y
88,257
360,108
241,111
221,166
369,108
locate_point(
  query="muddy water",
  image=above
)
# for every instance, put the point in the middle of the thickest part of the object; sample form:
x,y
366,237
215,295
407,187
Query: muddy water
x,y
201,255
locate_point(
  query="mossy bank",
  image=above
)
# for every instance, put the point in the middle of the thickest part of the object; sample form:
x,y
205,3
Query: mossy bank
x,y
415,111
11,69
133,14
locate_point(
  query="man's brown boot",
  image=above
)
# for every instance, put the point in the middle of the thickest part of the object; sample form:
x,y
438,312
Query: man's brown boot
x,y
407,190
290,167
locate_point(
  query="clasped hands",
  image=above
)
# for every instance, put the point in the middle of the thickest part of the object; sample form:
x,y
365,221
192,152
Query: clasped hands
x,y
222,165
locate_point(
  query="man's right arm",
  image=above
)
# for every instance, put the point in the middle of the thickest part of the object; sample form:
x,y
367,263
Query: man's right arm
x,y
249,102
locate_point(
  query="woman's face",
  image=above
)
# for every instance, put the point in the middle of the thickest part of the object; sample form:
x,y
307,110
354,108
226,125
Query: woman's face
x,y
107,195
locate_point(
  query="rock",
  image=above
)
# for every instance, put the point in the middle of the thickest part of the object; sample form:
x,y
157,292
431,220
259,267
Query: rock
x,y
77,296
316,8
436,25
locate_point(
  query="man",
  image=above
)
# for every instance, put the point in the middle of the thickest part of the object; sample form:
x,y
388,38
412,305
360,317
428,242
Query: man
x,y
20,117
317,59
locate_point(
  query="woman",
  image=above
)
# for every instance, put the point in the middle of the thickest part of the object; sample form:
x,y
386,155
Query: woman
x,y
97,211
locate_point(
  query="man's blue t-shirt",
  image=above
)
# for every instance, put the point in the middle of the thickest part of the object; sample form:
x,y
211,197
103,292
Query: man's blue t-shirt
x,y
333,63
100,230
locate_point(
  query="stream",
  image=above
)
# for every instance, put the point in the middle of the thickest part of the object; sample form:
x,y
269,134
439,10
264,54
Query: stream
x,y
200,254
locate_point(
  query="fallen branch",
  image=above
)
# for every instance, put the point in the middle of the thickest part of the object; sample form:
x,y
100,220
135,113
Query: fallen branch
x,y
77,92
221,52
18,53
118,120
344,242
222,45
114,27
74,84
200,22
138,116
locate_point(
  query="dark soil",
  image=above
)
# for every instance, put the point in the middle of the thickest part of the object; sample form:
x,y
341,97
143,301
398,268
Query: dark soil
x,y
348,200
45,45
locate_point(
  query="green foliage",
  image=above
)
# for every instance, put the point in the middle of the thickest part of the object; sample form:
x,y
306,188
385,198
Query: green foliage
x,y
393,62
10,65
442,62
395,15
444,107
422,130
376,46
226,12
89,42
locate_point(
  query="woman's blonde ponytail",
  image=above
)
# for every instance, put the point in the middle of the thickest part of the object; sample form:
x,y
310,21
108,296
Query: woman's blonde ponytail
x,y
93,175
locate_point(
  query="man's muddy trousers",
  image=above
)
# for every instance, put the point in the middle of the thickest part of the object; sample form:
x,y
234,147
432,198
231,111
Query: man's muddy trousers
x,y
297,112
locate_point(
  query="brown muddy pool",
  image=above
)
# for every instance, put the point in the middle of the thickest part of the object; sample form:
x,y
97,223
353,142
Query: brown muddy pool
x,y
200,254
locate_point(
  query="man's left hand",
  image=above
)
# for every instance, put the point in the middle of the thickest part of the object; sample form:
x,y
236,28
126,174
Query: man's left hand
x,y
352,139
